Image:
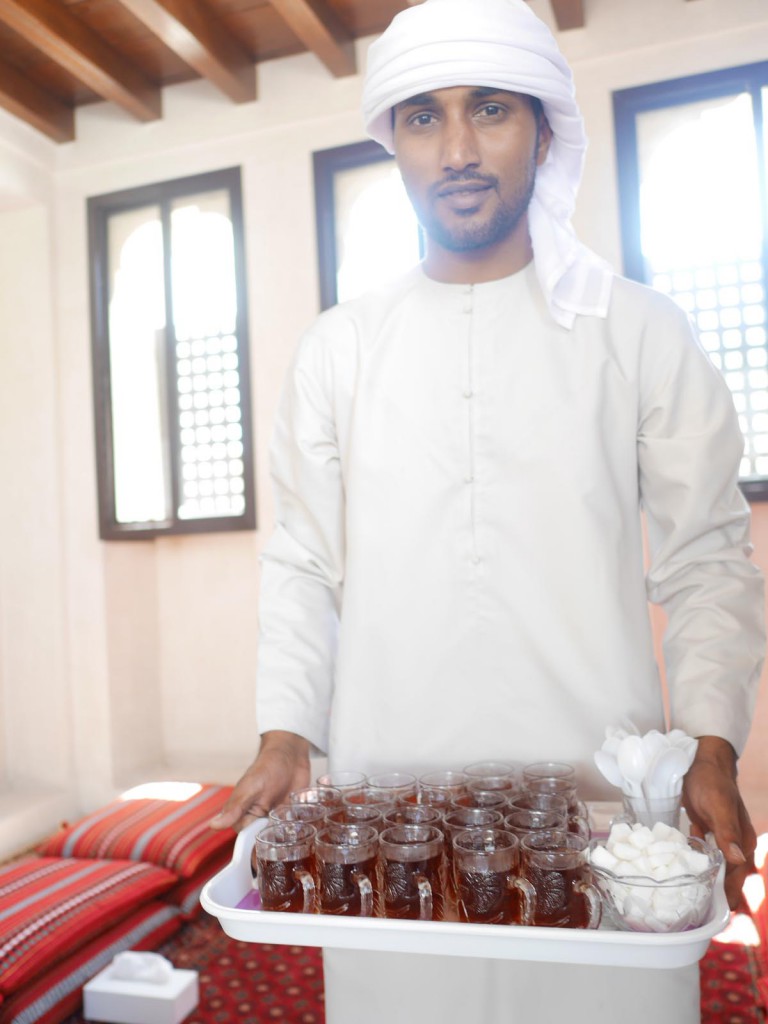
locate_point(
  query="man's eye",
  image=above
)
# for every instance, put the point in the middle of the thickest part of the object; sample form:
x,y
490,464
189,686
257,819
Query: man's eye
x,y
423,119
491,110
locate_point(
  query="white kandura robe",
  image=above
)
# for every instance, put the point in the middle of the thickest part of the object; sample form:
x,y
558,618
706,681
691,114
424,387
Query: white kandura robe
x,y
457,570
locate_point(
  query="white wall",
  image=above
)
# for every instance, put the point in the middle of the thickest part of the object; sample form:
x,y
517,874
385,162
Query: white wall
x,y
123,660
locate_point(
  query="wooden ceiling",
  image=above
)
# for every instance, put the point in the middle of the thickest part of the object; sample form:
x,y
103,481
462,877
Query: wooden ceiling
x,y
56,55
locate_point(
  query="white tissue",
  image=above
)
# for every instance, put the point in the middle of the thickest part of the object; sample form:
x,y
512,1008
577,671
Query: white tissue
x,y
149,968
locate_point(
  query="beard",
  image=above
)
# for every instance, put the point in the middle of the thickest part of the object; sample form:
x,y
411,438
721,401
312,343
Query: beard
x,y
476,233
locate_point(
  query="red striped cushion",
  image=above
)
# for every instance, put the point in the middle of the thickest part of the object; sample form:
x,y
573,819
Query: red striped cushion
x,y
49,907
173,834
186,895
57,991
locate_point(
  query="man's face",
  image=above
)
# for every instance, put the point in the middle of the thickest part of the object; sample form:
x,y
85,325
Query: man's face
x,y
468,157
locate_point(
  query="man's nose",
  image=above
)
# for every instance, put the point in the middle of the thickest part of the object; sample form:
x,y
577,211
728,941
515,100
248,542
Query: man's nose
x,y
459,145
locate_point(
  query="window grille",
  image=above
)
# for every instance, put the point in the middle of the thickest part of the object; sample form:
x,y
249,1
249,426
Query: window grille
x,y
694,208
170,356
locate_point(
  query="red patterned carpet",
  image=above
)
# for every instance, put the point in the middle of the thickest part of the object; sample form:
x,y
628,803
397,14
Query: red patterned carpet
x,y
246,983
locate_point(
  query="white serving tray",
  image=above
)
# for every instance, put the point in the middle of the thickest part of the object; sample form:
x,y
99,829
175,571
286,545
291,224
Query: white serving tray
x,y
601,946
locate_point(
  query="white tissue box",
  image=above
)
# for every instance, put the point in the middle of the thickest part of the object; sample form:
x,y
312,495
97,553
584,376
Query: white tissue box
x,y
119,1001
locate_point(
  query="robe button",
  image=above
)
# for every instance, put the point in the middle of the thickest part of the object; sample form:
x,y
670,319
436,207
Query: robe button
x,y
469,479
468,394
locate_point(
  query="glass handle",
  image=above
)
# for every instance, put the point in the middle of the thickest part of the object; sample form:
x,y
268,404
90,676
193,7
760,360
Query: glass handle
x,y
579,826
366,893
527,897
308,885
425,897
594,904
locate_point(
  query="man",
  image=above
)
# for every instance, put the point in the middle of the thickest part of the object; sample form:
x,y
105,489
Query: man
x,y
459,460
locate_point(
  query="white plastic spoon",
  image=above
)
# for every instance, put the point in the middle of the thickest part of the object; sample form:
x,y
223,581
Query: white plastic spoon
x,y
666,769
632,765
608,767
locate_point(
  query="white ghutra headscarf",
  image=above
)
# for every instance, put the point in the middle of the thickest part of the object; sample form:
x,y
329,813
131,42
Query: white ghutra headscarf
x,y
501,44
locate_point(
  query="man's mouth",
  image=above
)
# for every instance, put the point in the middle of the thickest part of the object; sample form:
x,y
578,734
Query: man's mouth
x,y
461,188
463,198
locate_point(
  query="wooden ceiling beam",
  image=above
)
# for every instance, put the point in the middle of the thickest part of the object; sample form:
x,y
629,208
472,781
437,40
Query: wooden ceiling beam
x,y
320,31
568,14
69,42
189,29
28,102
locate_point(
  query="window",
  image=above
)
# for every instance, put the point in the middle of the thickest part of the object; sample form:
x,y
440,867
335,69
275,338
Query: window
x,y
367,232
170,358
694,200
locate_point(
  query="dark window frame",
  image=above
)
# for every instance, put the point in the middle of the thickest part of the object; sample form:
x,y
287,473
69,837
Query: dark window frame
x,y
99,209
326,164
627,104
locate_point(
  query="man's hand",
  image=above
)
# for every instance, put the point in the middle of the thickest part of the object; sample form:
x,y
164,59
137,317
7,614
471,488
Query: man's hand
x,y
282,765
713,802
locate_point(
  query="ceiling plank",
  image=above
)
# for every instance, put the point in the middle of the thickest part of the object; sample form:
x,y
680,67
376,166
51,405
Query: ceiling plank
x,y
568,14
69,42
321,32
27,101
189,29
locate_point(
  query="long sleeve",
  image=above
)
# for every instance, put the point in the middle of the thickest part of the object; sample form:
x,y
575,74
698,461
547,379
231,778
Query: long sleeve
x,y
689,447
303,563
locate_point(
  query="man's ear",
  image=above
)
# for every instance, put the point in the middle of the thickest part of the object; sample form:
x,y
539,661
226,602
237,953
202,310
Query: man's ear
x,y
543,139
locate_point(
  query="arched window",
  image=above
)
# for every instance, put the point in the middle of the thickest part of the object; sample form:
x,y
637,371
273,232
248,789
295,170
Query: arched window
x,y
170,358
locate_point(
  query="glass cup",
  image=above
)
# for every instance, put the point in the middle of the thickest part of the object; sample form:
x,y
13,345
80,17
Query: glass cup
x,y
492,785
523,822
576,820
411,872
355,814
397,787
345,864
462,818
440,787
311,814
325,795
414,814
557,866
483,769
565,788
488,889
345,781
283,856
491,800
549,770
649,810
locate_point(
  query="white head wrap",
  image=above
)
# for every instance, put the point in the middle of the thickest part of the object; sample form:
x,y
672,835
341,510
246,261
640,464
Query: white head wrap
x,y
501,44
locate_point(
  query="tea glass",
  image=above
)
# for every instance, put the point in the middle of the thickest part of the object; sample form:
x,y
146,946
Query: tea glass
x,y
549,770
345,864
414,814
440,787
557,866
488,889
576,820
462,818
345,781
325,795
565,788
283,858
311,814
355,814
411,872
397,787
483,769
491,800
523,822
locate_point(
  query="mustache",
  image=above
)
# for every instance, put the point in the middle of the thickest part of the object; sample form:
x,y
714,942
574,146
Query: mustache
x,y
465,178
